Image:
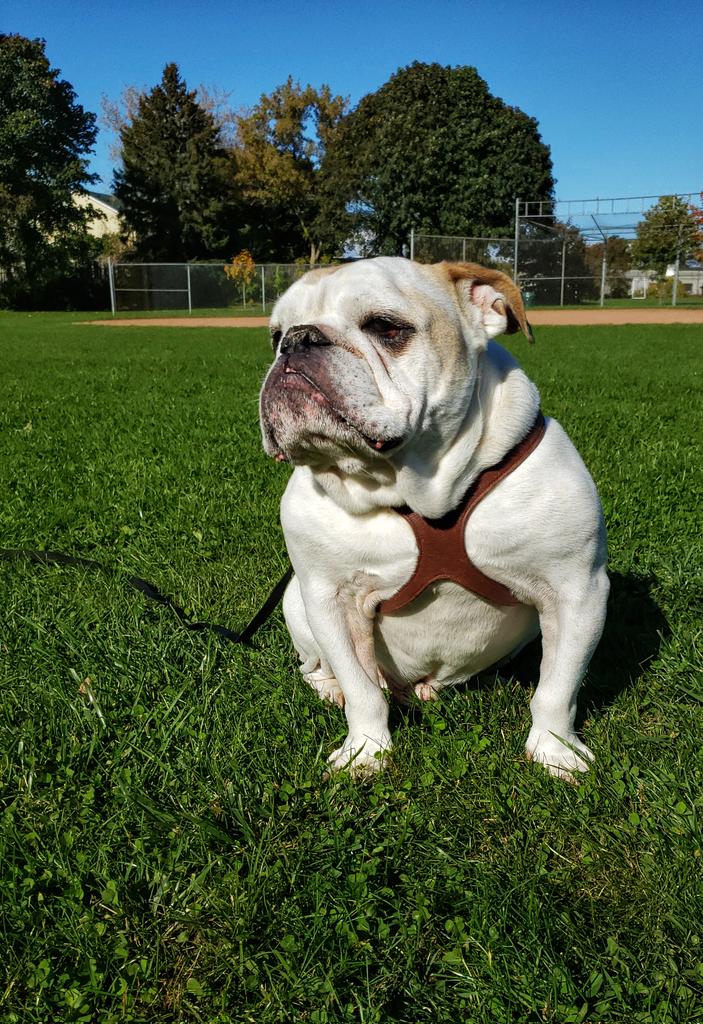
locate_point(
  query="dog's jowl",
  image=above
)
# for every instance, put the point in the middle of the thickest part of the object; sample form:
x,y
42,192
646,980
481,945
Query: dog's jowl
x,y
435,520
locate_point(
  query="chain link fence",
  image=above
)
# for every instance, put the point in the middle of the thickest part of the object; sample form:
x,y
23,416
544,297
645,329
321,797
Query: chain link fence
x,y
555,271
489,252
575,252
562,253
201,287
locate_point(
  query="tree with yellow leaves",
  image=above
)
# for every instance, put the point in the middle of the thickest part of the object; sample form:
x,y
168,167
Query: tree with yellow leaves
x,y
241,269
280,146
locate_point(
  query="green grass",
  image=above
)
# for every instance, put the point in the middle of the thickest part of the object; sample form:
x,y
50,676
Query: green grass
x,y
168,849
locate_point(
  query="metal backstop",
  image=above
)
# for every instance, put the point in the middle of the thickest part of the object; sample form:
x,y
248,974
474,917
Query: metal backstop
x,y
573,252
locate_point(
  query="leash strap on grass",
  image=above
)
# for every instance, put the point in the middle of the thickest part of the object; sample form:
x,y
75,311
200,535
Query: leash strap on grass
x,y
154,594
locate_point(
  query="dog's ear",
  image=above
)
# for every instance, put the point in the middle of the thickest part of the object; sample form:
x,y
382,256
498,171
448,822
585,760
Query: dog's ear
x,y
495,294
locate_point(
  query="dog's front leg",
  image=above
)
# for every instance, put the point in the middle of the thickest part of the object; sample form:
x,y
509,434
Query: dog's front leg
x,y
571,626
344,634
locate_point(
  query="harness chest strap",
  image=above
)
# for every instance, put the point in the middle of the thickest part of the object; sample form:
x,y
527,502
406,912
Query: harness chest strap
x,y
440,542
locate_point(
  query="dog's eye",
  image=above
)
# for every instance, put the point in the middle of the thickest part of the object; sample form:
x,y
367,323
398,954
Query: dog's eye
x,y
389,331
275,339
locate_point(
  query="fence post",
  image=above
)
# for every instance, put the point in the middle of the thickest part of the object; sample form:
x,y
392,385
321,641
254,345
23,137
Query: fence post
x,y
412,243
603,268
677,264
676,278
463,249
563,269
517,238
263,288
190,306
111,276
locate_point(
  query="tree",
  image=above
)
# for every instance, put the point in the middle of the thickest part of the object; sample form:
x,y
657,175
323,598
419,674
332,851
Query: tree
x,y
281,144
668,231
175,185
618,262
116,115
240,270
433,150
45,139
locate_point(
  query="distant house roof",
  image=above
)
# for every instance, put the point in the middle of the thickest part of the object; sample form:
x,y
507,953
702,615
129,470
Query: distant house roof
x,y
105,198
103,212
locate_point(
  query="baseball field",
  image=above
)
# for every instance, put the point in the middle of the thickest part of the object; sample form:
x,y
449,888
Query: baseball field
x,y
169,850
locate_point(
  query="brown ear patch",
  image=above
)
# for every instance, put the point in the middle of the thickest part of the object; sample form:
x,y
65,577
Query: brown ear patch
x,y
515,311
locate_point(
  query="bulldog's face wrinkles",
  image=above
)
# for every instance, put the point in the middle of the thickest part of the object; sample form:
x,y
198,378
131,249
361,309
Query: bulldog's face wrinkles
x,y
366,358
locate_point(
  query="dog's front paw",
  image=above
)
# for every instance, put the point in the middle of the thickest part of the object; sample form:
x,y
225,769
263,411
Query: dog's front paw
x,y
363,758
562,757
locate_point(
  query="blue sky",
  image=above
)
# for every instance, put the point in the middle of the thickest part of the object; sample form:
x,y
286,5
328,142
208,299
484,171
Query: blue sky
x,y
615,86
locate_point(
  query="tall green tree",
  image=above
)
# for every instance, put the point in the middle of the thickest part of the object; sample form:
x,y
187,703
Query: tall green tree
x,y
176,183
280,146
667,231
618,258
433,150
45,139
697,212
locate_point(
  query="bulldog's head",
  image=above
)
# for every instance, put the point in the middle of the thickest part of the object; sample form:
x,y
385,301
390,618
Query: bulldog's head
x,y
376,361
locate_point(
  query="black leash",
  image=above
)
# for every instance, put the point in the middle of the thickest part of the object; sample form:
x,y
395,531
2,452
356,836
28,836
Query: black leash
x,y
154,594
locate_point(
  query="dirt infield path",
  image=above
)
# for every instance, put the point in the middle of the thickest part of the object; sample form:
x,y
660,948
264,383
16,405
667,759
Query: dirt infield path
x,y
593,317
185,321
537,317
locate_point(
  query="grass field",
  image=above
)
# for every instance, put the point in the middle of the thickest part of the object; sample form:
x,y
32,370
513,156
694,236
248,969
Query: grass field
x,y
256,309
168,849
251,309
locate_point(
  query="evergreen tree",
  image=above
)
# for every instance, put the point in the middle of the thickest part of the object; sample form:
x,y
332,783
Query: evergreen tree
x,y
176,183
433,150
45,139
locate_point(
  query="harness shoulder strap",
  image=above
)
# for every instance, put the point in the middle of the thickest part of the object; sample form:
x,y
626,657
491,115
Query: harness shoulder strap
x,y
441,548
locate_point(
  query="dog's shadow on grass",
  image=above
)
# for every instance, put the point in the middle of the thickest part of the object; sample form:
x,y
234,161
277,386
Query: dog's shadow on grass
x,y
634,630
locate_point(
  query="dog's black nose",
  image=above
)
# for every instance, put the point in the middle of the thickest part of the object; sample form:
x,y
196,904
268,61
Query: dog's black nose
x,y
301,338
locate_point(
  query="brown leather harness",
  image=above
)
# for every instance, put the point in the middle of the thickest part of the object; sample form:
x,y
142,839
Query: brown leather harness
x,y
440,542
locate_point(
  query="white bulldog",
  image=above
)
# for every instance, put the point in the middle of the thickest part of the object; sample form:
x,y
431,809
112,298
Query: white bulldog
x,y
387,392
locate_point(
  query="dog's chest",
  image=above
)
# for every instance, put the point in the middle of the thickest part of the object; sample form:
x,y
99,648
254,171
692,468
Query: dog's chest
x,y
446,632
